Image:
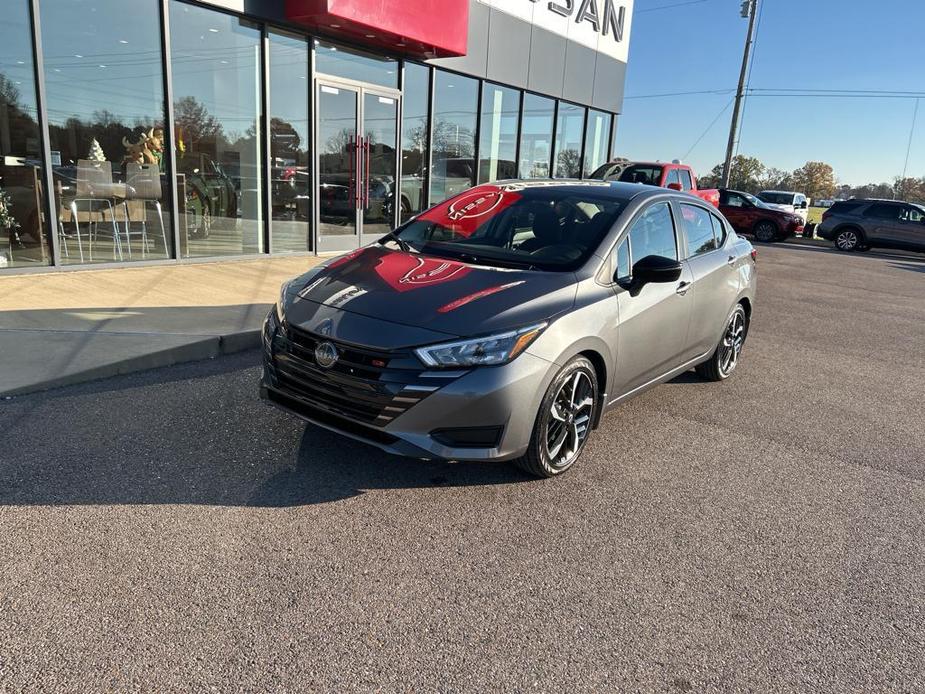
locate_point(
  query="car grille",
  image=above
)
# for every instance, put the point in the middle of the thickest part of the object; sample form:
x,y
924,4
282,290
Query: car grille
x,y
369,386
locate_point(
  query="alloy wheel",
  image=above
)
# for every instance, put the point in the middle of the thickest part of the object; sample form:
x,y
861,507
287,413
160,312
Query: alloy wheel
x,y
569,419
765,232
731,346
847,240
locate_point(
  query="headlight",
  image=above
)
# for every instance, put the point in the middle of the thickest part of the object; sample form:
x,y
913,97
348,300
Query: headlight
x,y
481,351
281,302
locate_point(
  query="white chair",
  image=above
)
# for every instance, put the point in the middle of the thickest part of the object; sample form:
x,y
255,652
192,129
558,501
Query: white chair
x,y
96,188
143,185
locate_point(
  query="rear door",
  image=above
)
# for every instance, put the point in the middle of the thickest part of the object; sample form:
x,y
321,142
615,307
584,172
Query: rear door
x,y
714,275
883,223
652,337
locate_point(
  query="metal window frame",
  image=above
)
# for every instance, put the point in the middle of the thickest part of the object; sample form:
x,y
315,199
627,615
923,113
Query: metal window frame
x,y
170,149
50,202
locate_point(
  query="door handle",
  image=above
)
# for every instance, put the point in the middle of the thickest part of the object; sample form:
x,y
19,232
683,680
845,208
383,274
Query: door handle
x,y
731,260
683,288
366,150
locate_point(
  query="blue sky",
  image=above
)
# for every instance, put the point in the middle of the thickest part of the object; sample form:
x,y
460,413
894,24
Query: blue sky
x,y
801,44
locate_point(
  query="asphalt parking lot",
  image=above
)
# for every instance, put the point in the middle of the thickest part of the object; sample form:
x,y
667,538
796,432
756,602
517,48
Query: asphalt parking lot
x,y
167,531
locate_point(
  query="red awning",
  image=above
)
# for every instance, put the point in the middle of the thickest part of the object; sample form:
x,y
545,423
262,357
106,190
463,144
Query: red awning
x,y
424,28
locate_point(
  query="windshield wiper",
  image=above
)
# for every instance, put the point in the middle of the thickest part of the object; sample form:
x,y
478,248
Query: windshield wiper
x,y
402,244
469,257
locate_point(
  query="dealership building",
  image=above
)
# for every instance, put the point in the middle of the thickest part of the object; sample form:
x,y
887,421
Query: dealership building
x,y
161,131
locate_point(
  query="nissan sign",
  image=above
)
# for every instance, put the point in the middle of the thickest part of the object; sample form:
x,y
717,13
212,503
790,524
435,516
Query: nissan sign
x,y
602,25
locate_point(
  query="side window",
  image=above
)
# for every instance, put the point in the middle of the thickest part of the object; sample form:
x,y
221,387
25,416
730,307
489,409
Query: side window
x,y
912,214
672,177
698,228
653,234
719,231
735,200
883,211
622,261
686,182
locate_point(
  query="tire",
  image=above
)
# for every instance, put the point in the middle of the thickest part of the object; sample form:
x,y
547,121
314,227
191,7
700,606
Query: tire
x,y
725,357
765,231
849,239
563,412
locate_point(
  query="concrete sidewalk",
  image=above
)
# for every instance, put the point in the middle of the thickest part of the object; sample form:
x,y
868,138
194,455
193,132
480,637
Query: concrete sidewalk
x,y
62,328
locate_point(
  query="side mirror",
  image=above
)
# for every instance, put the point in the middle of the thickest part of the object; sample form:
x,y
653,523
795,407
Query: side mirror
x,y
652,269
674,186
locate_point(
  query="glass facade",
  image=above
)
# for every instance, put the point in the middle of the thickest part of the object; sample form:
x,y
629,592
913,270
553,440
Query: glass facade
x,y
290,134
570,123
273,140
536,132
415,138
23,219
597,141
498,133
217,74
453,135
105,101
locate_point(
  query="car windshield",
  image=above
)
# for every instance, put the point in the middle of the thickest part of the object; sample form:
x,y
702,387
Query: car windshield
x,y
545,227
648,174
777,198
753,200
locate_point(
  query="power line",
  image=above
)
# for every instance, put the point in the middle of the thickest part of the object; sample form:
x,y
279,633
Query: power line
x,y
666,94
708,128
668,7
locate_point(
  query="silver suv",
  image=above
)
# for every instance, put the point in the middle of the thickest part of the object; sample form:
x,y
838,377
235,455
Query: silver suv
x,y
859,225
501,324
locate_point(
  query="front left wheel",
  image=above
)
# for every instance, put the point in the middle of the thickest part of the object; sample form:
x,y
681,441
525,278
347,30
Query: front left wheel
x,y
564,421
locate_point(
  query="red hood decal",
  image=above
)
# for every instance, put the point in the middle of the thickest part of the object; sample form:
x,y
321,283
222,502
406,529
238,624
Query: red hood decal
x,y
404,272
468,299
467,212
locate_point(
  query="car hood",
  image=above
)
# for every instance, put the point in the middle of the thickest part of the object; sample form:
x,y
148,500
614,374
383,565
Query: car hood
x,y
431,297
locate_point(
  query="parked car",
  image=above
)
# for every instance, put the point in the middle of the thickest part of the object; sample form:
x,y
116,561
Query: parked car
x,y
861,224
786,200
748,215
676,176
500,324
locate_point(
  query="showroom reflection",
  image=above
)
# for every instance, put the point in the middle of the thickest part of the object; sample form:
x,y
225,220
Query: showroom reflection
x,y
23,227
106,130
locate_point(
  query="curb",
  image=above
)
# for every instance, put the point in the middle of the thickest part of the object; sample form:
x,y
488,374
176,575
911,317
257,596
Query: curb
x,y
206,348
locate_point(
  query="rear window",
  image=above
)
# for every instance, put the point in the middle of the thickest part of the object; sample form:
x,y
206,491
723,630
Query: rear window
x,y
686,182
608,172
646,174
845,206
516,225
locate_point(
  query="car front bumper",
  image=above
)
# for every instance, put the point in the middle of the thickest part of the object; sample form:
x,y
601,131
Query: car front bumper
x,y
483,413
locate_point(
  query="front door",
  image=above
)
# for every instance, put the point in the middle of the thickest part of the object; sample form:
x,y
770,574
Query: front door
x,y
357,164
653,333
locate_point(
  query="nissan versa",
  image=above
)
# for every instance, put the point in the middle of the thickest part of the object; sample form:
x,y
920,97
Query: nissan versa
x,y
502,323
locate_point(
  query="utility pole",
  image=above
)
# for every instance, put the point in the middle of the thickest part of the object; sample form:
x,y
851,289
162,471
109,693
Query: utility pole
x,y
750,10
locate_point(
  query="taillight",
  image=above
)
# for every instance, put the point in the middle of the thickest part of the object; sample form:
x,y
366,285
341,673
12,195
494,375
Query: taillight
x,y
754,255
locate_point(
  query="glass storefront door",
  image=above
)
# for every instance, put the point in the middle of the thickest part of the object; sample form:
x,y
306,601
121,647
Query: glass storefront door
x,y
357,164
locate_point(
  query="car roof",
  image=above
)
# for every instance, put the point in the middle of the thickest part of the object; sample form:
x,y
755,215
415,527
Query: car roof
x,y
782,192
617,189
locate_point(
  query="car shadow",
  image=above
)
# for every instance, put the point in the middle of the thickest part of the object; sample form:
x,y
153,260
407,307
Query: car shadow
x,y
913,267
329,468
197,434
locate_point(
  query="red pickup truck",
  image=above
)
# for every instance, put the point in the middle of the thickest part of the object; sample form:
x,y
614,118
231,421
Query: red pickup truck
x,y
675,175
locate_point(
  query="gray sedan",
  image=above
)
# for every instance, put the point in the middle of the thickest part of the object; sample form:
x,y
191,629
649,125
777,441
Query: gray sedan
x,y
503,323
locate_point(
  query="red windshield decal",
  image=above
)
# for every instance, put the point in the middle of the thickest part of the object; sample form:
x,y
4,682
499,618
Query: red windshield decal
x,y
467,212
458,303
404,272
